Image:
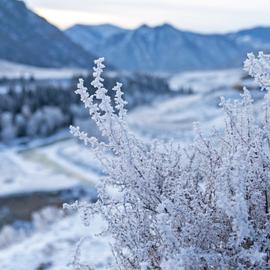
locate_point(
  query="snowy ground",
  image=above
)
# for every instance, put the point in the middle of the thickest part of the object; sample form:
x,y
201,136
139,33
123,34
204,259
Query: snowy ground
x,y
54,167
52,246
12,70
50,167
66,163
174,118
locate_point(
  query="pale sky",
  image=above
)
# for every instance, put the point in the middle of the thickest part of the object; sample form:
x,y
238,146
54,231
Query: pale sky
x,y
206,16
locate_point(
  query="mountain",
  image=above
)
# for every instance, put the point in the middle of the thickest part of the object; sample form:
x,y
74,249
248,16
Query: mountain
x,y
27,38
90,36
257,38
167,49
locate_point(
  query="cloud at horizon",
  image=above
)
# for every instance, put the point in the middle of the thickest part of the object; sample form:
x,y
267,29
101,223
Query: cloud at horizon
x,y
209,16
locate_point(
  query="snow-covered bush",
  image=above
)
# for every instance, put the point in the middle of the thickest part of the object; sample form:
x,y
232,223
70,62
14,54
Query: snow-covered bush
x,y
205,206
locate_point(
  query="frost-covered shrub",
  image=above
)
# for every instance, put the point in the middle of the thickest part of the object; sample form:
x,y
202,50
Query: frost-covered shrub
x,y
205,206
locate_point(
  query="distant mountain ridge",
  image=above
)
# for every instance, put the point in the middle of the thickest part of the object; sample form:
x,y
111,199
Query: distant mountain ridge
x,y
27,38
165,48
257,38
91,36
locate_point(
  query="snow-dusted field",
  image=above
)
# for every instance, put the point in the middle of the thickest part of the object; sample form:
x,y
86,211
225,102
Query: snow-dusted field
x,y
53,245
12,70
58,166
66,163
174,118
44,168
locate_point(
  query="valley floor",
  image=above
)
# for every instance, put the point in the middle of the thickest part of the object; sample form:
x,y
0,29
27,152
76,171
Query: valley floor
x,y
51,239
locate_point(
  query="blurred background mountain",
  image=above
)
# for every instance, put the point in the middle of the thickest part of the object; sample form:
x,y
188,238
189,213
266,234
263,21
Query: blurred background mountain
x,y
29,39
167,49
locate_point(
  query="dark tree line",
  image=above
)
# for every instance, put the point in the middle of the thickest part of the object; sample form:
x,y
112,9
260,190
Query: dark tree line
x,y
31,108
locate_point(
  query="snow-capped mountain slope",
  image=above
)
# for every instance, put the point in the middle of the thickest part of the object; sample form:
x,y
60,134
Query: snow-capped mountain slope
x,y
27,38
167,49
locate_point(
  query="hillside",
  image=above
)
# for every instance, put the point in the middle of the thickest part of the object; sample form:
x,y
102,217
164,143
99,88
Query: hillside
x,y
167,49
29,39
